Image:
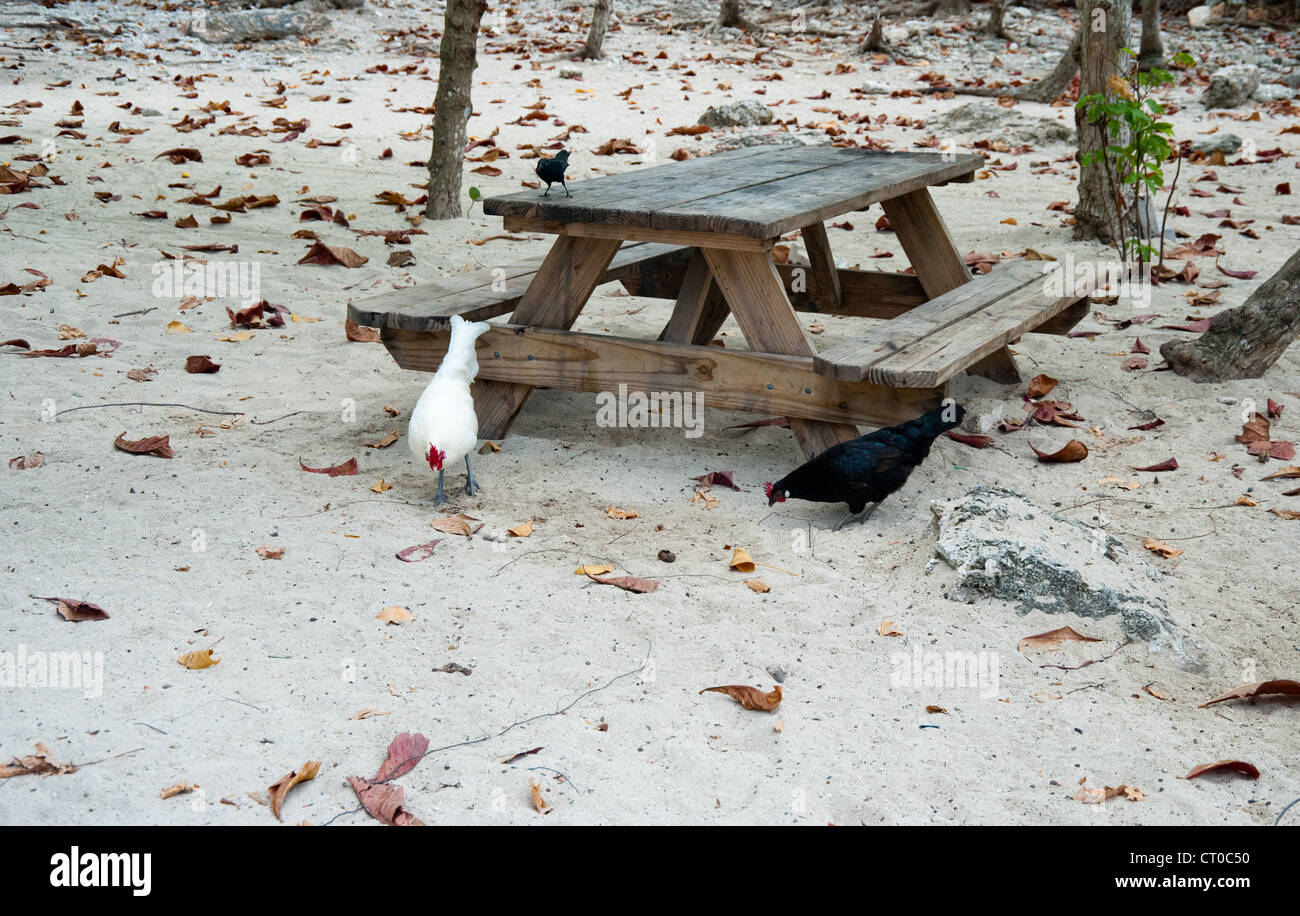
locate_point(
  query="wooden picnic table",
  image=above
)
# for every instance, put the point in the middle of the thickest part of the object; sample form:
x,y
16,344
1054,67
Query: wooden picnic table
x,y
701,232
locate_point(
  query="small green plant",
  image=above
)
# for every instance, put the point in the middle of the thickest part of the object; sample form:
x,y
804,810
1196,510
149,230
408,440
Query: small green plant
x,y
1138,146
475,195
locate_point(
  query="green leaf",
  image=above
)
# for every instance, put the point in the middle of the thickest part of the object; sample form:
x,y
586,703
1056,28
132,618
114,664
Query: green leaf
x,y
475,194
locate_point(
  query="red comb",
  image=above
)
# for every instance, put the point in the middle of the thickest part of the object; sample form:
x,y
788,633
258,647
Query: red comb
x,y
435,457
767,490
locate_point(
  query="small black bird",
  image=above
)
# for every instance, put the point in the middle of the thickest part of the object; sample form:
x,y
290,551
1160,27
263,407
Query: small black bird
x,y
552,171
866,469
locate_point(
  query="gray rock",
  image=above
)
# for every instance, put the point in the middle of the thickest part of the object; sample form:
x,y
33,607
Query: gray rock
x,y
1292,79
1219,143
568,74
150,113
995,122
895,34
1272,92
875,87
744,141
1004,546
748,113
1231,86
240,26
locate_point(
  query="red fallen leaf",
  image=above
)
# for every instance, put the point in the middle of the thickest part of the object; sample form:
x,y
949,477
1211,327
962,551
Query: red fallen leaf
x,y
1074,450
1059,413
1274,409
1169,464
150,445
1196,327
846,225
404,752
27,462
489,170
882,225
252,316
1236,766
384,802
1087,334
749,697
690,131
320,253
257,157
1235,274
1256,429
1145,427
1040,385
633,584
975,441
1011,426
1140,347
1283,188
17,342
723,478
359,333
1134,363
152,214
346,469
1137,319
1278,448
200,364
1263,688
76,610
1288,220
417,553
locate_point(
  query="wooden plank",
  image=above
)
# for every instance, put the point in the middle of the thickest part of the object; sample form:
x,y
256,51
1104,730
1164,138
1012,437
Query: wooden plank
x,y
824,278
697,286
940,268
851,359
748,193
728,379
429,306
621,232
939,356
572,269
752,286
1065,322
777,207
924,237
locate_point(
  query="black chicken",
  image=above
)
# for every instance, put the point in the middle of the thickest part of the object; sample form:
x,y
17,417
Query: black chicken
x,y
866,469
551,171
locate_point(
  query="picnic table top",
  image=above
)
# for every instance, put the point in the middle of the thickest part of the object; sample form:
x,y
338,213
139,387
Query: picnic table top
x,y
759,192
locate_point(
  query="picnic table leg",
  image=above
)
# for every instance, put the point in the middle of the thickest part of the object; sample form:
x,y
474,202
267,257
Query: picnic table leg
x,y
750,281
570,272
939,267
700,308
824,288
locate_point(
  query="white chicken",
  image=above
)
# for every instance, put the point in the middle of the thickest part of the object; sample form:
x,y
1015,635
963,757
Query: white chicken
x,y
444,427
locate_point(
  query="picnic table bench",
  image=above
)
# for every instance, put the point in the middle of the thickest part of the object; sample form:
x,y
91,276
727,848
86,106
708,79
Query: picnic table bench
x,y
700,232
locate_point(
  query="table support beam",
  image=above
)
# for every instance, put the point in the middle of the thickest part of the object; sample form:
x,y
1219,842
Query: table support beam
x,y
565,281
770,325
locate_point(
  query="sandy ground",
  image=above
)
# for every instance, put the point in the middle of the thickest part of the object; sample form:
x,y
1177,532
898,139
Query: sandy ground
x,y
168,547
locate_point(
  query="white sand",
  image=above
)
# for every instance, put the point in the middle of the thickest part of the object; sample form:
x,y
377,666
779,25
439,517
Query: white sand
x,y
845,746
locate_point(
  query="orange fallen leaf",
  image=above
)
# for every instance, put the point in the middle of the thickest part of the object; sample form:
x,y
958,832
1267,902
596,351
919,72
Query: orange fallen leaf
x,y
395,614
1263,688
198,659
1235,766
1053,639
750,697
280,788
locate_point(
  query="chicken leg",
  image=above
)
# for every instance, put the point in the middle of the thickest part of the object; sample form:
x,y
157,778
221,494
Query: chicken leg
x,y
440,497
860,515
471,485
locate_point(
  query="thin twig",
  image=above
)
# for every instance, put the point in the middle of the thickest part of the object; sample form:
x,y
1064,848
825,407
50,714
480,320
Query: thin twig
x,y
223,413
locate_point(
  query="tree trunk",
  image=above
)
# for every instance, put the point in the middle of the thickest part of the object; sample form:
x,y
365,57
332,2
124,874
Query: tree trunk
x,y
1152,53
457,58
995,27
729,17
594,48
1104,25
875,38
1244,342
1053,86
949,8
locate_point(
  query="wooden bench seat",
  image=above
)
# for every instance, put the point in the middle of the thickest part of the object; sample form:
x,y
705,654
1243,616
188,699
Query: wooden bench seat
x,y
483,294
932,342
